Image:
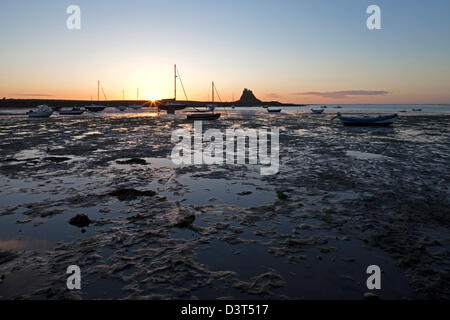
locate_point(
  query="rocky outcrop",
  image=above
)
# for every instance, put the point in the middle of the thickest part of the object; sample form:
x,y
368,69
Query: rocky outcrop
x,y
248,99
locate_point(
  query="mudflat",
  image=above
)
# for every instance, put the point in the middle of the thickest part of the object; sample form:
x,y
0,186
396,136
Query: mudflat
x,y
344,199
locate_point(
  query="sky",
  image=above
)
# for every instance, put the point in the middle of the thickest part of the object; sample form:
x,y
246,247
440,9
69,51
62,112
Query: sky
x,y
315,51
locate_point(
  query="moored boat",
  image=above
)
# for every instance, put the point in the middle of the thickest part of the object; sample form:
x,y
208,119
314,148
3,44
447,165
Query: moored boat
x,y
123,107
94,108
203,116
42,111
273,110
368,121
317,111
211,106
209,114
73,111
172,105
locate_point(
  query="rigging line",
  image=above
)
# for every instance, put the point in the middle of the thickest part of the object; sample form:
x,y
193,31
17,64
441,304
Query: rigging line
x,y
215,88
182,86
103,92
217,93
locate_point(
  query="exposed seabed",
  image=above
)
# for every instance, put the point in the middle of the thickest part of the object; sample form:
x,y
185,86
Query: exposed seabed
x,y
355,197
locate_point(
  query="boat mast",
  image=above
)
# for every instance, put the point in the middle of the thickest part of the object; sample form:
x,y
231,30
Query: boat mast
x,y
175,81
98,90
212,89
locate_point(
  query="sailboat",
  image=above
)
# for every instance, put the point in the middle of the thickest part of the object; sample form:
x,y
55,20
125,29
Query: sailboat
x,y
171,106
93,107
122,108
212,106
206,115
136,106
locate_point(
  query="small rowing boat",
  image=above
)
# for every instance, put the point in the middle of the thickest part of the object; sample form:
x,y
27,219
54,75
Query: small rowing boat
x,y
273,110
368,121
203,116
317,111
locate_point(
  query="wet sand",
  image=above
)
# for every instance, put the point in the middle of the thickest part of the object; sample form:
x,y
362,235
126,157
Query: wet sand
x,y
355,197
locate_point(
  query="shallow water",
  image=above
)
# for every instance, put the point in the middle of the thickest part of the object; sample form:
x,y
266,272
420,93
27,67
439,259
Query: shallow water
x,y
249,112
355,197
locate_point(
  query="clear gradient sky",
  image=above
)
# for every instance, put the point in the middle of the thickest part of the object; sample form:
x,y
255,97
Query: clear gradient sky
x,y
287,50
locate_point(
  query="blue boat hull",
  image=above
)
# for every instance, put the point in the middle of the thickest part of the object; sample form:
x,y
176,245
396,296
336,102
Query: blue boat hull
x,y
381,121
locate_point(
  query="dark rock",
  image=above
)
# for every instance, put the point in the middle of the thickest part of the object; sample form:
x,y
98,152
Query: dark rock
x,y
57,159
248,99
185,222
244,193
136,217
124,194
80,221
6,256
132,161
350,259
281,195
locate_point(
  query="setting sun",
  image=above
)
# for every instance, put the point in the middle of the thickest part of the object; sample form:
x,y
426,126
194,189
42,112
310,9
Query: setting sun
x,y
152,97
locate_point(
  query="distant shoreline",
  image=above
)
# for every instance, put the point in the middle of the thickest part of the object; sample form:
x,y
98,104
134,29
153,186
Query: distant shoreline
x,y
31,103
